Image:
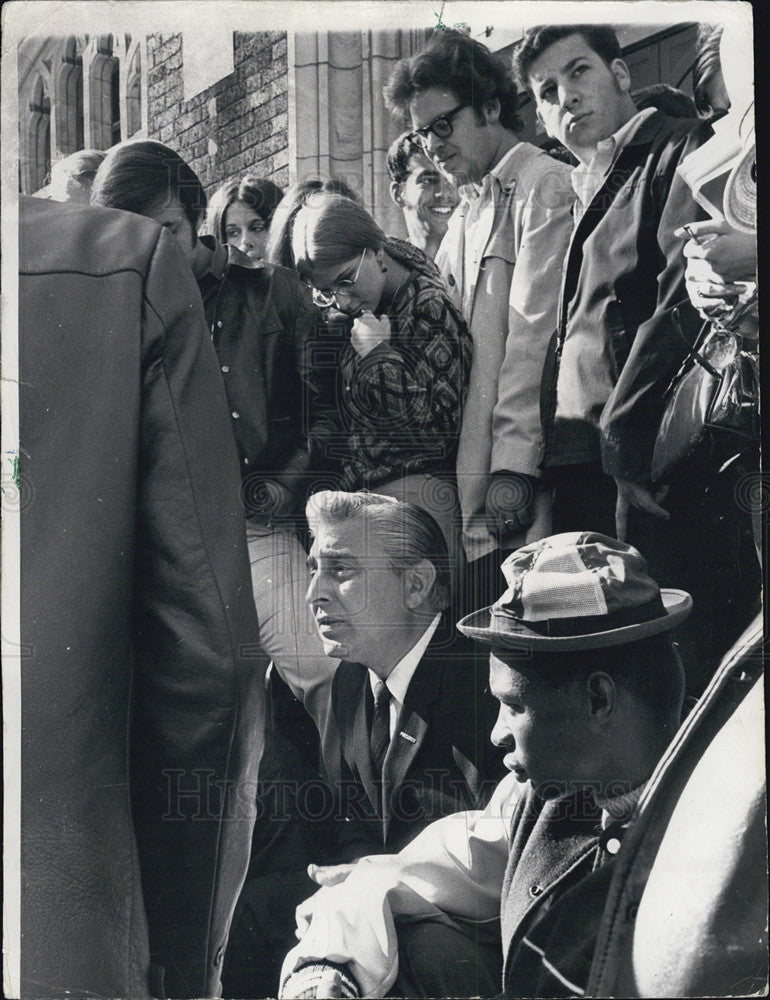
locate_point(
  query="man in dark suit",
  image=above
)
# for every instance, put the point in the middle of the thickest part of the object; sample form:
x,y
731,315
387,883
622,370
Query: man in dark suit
x,y
409,698
617,345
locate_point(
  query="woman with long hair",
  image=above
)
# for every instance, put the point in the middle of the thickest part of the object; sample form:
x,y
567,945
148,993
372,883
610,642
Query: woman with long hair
x,y
395,393
240,214
309,191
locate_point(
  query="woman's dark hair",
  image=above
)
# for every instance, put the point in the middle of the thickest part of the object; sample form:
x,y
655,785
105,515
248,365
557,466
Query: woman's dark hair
x,y
279,249
457,62
599,37
136,176
330,231
706,66
672,102
258,193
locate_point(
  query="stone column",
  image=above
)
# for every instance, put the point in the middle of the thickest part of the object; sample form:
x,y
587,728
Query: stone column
x,y
338,124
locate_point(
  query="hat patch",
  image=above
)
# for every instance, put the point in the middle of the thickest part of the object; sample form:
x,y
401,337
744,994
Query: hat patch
x,y
557,584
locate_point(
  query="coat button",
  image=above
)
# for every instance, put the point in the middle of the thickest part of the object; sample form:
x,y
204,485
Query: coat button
x,y
235,415
535,891
613,845
225,369
451,280
220,324
245,461
219,956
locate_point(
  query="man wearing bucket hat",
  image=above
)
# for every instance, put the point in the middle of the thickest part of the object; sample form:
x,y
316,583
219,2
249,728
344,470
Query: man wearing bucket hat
x,y
590,689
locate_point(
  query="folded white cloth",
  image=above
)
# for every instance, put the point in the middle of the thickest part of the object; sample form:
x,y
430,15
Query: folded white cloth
x,y
454,868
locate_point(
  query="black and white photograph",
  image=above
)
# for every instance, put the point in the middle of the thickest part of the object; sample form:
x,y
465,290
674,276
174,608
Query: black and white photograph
x,y
382,501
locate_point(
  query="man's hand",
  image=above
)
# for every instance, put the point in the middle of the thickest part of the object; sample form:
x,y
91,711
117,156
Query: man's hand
x,y
635,495
303,915
710,295
721,265
731,255
369,331
509,504
329,874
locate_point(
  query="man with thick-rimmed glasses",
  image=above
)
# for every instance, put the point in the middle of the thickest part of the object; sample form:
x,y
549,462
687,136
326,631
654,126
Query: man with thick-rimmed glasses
x,y
502,258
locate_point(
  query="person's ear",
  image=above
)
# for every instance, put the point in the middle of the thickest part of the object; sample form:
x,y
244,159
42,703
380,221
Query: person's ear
x,y
395,194
602,696
491,110
620,72
418,583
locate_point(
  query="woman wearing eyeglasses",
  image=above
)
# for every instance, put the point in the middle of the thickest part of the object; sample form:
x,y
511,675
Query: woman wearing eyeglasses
x,y
240,214
304,192
397,390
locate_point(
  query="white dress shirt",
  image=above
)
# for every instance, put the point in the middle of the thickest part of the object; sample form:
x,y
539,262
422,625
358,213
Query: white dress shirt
x,y
587,178
586,373
401,675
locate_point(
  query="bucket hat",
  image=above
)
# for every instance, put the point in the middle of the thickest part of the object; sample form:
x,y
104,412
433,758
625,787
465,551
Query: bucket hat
x,y
577,590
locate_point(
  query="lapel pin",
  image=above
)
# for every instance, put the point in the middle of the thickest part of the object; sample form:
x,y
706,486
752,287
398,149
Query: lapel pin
x,y
407,736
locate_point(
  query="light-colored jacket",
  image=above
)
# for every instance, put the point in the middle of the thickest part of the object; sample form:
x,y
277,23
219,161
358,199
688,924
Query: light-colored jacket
x,y
455,867
522,218
686,914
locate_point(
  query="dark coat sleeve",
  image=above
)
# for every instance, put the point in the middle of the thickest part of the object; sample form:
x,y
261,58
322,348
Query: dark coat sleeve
x,y
303,320
632,415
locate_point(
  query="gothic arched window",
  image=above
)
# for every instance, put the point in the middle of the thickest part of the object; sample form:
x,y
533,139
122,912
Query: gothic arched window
x,y
38,137
69,100
134,94
105,95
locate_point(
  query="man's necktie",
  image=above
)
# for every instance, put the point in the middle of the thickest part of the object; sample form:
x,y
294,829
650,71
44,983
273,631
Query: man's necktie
x,y
379,738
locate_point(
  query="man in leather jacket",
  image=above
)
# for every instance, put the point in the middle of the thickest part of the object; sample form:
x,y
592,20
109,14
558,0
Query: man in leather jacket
x,y
265,329
141,706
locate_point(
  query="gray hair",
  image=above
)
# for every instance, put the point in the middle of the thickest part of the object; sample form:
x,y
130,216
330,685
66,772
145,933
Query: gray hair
x,y
407,533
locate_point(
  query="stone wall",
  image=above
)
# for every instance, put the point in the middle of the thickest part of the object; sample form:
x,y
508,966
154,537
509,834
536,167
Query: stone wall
x,y
238,124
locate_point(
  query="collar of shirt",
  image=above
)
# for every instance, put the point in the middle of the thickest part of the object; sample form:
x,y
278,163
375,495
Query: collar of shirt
x,y
219,256
619,808
587,178
400,677
472,191
224,254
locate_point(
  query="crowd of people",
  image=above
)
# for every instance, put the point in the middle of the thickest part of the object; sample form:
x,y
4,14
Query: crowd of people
x,y
317,448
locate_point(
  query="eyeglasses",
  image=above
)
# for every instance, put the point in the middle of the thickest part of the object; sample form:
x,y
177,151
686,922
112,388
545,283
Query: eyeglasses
x,y
441,127
324,297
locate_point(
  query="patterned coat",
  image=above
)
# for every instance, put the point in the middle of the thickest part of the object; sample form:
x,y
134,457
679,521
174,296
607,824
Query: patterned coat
x,y
398,410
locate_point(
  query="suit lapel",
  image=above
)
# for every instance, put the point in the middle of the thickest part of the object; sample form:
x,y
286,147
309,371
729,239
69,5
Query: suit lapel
x,y
354,732
632,156
412,723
